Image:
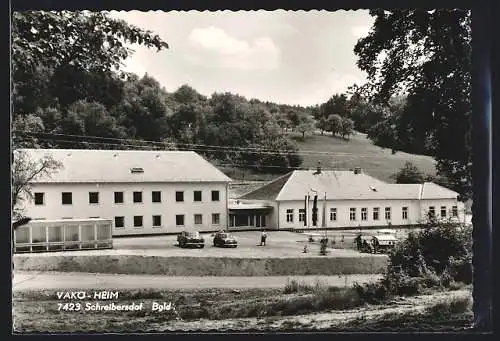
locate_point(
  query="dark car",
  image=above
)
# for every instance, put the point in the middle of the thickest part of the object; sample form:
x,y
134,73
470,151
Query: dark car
x,y
224,239
190,238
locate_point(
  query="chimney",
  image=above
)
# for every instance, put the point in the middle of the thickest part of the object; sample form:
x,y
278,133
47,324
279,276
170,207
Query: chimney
x,y
357,170
318,168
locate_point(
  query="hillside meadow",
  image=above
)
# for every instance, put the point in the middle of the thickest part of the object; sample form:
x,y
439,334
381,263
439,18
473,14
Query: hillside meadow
x,y
334,152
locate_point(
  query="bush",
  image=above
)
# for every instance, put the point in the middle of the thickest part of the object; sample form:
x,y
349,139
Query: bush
x,y
441,248
439,256
294,286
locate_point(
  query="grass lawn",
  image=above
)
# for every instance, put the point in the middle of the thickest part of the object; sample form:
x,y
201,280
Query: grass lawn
x,y
359,152
342,155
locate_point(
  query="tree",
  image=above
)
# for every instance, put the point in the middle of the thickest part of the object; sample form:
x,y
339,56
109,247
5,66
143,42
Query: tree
x,y
91,119
24,171
336,105
347,127
23,124
89,41
61,57
306,125
334,124
409,174
283,122
322,124
427,56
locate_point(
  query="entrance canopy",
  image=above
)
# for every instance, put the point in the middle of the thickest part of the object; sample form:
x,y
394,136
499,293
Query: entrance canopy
x,y
248,215
238,207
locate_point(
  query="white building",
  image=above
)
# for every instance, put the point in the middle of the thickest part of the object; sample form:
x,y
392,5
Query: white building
x,y
142,192
353,200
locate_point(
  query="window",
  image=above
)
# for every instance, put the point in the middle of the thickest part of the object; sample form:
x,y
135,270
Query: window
x,y
198,219
138,221
119,222
443,211
93,197
364,213
352,214
376,213
387,213
454,211
156,196
39,198
179,196
260,220
156,220
432,211
67,198
404,213
179,220
137,197
118,197
302,213
197,195
215,195
289,216
215,218
333,214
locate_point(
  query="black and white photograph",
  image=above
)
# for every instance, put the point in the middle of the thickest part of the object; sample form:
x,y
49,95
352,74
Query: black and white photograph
x,y
241,171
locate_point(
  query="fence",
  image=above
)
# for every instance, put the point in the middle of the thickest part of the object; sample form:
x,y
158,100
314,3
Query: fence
x,y
61,235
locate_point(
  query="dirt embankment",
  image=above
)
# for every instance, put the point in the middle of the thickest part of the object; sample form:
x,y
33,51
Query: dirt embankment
x,y
203,266
221,310
400,309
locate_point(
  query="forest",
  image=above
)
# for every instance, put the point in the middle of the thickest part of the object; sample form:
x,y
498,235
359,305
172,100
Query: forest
x,y
69,92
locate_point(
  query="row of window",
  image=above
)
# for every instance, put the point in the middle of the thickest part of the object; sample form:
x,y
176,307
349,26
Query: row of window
x,y
157,220
443,211
375,213
156,197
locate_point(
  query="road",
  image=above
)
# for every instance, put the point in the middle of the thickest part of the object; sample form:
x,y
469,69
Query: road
x,y
27,281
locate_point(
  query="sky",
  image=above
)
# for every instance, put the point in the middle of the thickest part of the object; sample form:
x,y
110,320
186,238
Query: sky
x,y
286,57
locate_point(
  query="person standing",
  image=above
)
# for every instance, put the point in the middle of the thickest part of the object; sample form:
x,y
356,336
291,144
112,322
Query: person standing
x,y
263,237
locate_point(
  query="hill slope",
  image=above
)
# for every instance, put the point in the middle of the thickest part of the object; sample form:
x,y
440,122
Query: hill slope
x,y
339,154
359,152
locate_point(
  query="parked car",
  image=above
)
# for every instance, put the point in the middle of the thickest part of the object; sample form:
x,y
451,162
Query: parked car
x,y
190,238
384,243
224,239
376,243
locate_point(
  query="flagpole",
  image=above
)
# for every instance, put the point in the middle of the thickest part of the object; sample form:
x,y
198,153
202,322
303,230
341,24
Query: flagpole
x,y
324,214
307,211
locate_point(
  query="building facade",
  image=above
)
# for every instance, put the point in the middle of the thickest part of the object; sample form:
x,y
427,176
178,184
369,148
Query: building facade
x,y
351,200
142,192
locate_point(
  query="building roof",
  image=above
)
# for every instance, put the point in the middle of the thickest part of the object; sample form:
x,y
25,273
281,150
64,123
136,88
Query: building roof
x,y
269,191
430,190
344,185
84,165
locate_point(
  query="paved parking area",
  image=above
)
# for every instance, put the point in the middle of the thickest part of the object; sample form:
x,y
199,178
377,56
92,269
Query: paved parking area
x,y
279,244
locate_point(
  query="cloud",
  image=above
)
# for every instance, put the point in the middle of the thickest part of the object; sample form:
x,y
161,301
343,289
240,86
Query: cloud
x,y
223,50
360,31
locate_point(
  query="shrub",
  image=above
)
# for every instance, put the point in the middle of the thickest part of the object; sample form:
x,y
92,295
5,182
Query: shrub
x,y
438,256
439,248
294,286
